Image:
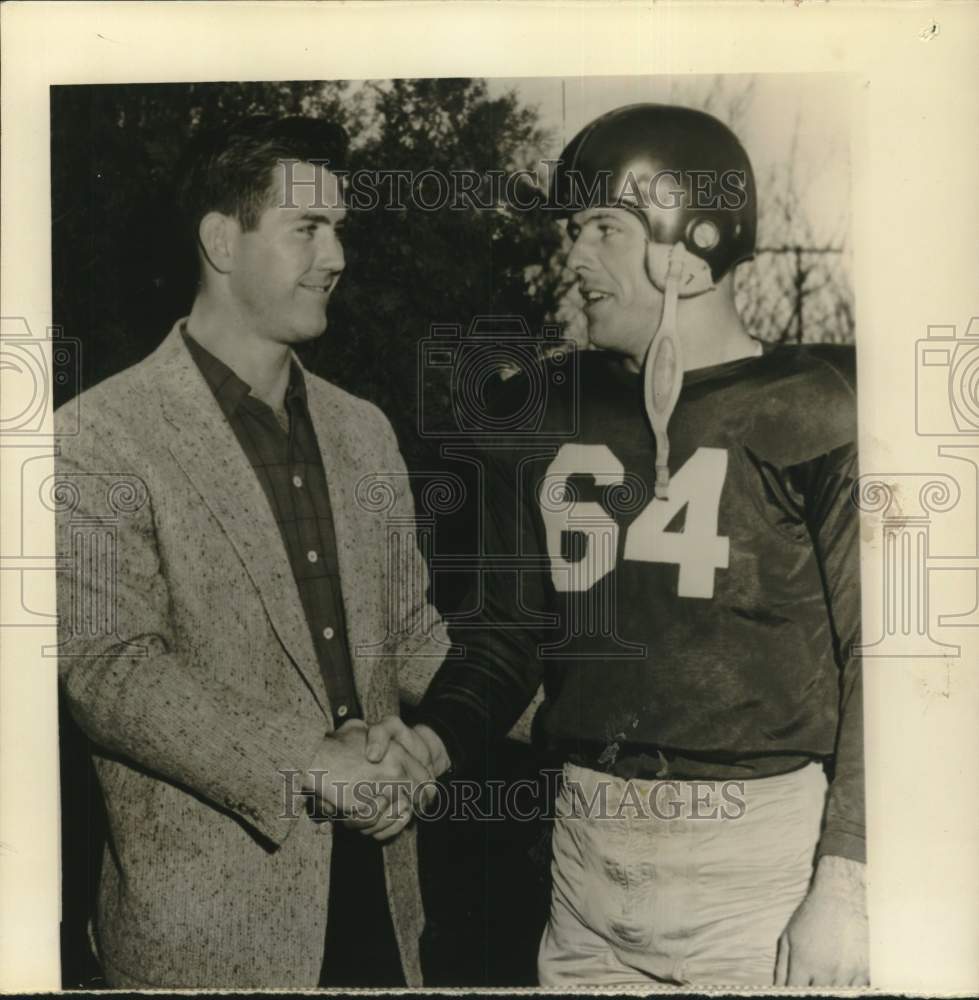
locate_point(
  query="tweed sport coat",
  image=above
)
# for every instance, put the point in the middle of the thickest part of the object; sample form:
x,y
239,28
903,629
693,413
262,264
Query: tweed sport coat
x,y
186,658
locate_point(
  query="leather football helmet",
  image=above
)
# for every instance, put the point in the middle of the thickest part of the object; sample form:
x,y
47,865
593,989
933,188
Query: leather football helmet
x,y
682,172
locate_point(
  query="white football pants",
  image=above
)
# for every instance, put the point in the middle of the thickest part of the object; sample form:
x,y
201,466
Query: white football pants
x,y
655,885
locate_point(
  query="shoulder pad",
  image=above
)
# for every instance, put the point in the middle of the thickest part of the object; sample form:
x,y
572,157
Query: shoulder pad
x,y
842,358
804,404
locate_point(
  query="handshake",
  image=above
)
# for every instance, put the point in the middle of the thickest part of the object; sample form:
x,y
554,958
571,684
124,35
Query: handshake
x,y
374,778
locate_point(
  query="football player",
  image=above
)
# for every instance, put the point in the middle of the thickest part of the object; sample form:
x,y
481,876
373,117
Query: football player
x,y
696,602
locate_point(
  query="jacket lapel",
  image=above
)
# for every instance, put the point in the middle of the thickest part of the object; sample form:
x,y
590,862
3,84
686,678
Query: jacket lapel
x,y
205,447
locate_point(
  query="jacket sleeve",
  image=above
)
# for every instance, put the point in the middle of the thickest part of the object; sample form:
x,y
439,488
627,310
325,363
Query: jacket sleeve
x,y
833,521
489,690
129,679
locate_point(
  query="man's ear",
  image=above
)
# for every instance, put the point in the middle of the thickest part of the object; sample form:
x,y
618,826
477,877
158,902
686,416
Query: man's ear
x,y
217,235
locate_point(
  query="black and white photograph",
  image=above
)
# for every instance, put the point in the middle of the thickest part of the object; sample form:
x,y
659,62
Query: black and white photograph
x,y
316,311
467,567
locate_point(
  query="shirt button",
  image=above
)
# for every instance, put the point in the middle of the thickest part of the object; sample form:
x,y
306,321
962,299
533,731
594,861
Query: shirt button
x,y
297,481
342,711
312,556
328,633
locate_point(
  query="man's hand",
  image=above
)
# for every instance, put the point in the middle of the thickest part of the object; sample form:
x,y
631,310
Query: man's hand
x,y
372,796
423,743
423,746
826,941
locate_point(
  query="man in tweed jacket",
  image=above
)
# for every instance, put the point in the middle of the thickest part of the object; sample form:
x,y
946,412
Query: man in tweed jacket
x,y
194,651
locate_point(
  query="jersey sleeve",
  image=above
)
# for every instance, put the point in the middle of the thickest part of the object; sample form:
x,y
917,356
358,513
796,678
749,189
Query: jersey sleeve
x,y
477,697
832,518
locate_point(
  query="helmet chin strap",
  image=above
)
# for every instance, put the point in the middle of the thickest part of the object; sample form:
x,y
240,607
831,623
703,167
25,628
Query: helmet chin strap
x,y
678,274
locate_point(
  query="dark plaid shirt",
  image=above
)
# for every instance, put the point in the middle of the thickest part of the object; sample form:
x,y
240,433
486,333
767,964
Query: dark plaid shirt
x,y
290,469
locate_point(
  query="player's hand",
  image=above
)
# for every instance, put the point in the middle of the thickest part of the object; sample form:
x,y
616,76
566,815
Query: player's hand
x,y
385,817
392,729
373,796
381,818
421,742
826,941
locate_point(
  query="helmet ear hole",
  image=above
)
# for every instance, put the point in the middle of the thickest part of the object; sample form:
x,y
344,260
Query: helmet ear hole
x,y
703,234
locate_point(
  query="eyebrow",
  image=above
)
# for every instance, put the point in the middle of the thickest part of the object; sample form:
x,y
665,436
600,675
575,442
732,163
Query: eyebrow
x,y
322,217
600,213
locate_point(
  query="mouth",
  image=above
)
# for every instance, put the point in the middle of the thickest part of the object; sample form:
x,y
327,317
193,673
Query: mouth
x,y
319,287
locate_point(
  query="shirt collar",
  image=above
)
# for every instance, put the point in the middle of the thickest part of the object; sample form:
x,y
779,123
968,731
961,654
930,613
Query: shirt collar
x,y
230,390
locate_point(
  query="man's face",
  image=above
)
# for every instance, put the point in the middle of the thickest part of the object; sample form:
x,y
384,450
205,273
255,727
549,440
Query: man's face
x,y
609,259
285,270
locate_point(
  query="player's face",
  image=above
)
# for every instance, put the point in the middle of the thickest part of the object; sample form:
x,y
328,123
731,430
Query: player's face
x,y
286,269
609,258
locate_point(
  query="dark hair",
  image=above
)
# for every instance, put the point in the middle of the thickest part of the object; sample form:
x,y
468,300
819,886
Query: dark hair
x,y
230,169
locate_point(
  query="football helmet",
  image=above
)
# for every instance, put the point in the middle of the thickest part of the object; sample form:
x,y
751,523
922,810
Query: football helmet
x,y
682,172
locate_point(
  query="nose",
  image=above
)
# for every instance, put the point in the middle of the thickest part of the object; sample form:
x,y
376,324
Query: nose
x,y
329,251
579,257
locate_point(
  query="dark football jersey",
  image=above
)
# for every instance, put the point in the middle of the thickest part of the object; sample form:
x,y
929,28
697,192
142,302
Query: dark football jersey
x,y
707,634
